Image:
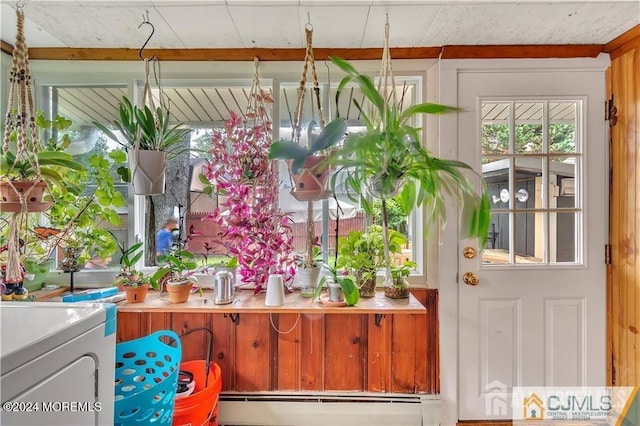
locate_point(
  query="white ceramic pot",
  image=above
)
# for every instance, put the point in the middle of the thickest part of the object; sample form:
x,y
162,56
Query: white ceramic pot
x,y
307,279
147,171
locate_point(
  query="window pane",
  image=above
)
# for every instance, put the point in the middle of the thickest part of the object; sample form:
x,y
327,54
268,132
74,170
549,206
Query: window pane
x,y
562,181
563,237
528,183
497,248
495,128
83,106
562,127
529,237
528,128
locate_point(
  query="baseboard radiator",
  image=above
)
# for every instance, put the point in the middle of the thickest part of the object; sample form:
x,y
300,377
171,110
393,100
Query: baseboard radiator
x,y
328,409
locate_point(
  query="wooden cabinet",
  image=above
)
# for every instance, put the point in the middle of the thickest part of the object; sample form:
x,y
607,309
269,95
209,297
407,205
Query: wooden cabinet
x,y
306,350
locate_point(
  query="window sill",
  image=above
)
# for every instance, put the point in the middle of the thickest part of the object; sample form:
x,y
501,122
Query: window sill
x,y
246,301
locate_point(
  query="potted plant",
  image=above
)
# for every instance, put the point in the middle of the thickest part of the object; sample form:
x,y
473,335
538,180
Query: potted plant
x,y
179,267
149,140
134,283
36,170
388,159
340,286
363,254
400,287
308,269
307,164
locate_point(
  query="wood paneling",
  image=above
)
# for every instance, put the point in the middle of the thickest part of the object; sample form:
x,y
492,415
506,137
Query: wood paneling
x,y
624,278
320,54
624,43
521,51
308,351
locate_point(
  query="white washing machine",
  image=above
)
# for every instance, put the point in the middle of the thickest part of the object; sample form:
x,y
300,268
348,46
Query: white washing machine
x,y
57,363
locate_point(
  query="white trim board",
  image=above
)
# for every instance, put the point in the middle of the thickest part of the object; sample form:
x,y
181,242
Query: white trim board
x,y
321,409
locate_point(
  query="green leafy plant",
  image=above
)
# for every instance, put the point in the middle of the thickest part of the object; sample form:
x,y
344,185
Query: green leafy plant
x,y
154,132
53,162
388,157
179,265
346,282
363,252
401,272
333,133
128,275
85,195
90,202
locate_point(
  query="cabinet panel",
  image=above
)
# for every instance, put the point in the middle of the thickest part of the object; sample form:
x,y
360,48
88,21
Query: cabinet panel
x,y
308,351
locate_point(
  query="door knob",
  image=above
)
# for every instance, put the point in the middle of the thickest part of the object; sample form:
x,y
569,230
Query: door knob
x,y
470,278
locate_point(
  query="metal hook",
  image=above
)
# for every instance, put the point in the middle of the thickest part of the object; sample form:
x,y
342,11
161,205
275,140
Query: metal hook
x,y
145,20
308,25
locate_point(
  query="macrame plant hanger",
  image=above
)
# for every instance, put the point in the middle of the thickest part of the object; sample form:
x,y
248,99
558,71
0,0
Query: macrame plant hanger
x,y
309,61
147,177
257,113
386,78
21,121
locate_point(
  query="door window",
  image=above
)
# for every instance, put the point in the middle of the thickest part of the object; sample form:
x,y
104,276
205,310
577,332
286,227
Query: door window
x,y
532,165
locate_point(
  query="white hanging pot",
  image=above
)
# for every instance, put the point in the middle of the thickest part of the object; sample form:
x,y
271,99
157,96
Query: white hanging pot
x,y
147,171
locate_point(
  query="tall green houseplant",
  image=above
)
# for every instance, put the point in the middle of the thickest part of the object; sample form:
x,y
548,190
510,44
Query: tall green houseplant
x,y
389,159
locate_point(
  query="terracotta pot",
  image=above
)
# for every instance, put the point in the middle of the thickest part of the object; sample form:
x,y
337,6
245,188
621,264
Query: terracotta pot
x,y
179,291
136,294
10,199
147,171
311,182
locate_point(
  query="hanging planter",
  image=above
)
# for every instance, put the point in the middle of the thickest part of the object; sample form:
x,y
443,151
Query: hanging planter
x,y
148,169
384,187
16,195
150,141
308,166
390,149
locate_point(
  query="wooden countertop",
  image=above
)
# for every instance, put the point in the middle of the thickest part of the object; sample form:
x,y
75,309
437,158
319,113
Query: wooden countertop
x,y
294,302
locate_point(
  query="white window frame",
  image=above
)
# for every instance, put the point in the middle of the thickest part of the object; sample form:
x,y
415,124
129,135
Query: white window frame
x,y
129,73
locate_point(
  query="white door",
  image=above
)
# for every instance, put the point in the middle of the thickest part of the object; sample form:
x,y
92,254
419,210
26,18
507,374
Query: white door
x,y
537,314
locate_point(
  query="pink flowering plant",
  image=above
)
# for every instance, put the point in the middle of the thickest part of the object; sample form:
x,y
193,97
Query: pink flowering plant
x,y
240,151
252,227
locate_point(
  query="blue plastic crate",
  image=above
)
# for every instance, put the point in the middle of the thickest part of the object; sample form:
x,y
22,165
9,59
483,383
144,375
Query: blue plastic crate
x,y
146,379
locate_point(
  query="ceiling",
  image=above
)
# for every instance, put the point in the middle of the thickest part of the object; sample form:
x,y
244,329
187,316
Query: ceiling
x,y
336,23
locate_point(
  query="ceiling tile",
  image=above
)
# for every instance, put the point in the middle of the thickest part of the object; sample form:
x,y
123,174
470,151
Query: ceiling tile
x,y
267,26
201,26
408,25
329,24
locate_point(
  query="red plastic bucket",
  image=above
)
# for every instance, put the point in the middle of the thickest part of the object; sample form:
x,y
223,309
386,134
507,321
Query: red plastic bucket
x,y
201,407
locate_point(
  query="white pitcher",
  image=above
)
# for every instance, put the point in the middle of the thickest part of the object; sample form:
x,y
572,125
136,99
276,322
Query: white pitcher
x,y
275,291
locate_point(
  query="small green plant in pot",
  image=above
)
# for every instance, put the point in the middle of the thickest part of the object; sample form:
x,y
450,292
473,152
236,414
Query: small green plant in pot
x,y
134,283
178,268
363,254
308,269
339,286
400,287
